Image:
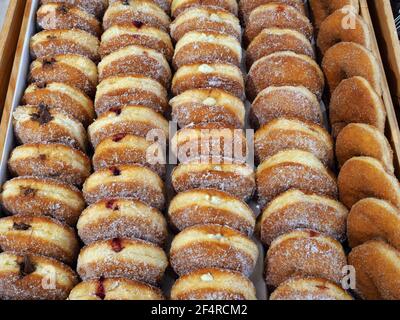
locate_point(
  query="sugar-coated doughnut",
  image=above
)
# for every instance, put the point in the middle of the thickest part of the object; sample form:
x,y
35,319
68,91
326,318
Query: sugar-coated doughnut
x,y
304,253
271,40
210,206
363,177
213,284
137,120
121,91
348,59
95,7
115,289
72,69
357,139
285,69
132,259
55,161
377,267
235,179
209,76
39,235
295,209
53,16
29,196
179,6
372,218
286,134
294,169
355,101
40,124
163,4
136,60
122,218
287,102
312,289
34,277
212,246
128,181
203,19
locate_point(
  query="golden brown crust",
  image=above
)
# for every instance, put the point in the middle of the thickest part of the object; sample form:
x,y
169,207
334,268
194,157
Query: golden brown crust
x,y
180,6
94,7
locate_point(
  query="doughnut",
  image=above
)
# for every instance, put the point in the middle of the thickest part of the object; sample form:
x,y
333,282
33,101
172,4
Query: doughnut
x,y
136,12
122,218
30,196
235,179
271,40
55,161
72,69
127,181
163,4
179,6
358,139
285,102
210,206
53,16
377,267
209,76
34,277
347,59
121,36
132,259
115,289
355,101
213,284
94,7
304,253
212,246
203,19
62,97
207,47
285,69
53,42
137,120
334,29
286,134
121,91
136,60
309,289
275,15
371,219
295,209
363,177
294,169
129,149
39,235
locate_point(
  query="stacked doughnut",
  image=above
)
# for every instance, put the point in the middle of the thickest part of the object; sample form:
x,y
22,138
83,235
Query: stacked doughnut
x,y
302,223
212,254
50,165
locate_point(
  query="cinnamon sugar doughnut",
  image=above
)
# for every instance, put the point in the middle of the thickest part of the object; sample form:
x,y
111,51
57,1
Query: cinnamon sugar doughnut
x,y
163,4
364,177
377,267
295,209
132,259
293,169
347,59
358,139
34,277
94,7
212,246
127,181
304,253
285,69
55,161
210,206
122,218
209,76
213,284
179,6
286,134
39,235
29,196
286,102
